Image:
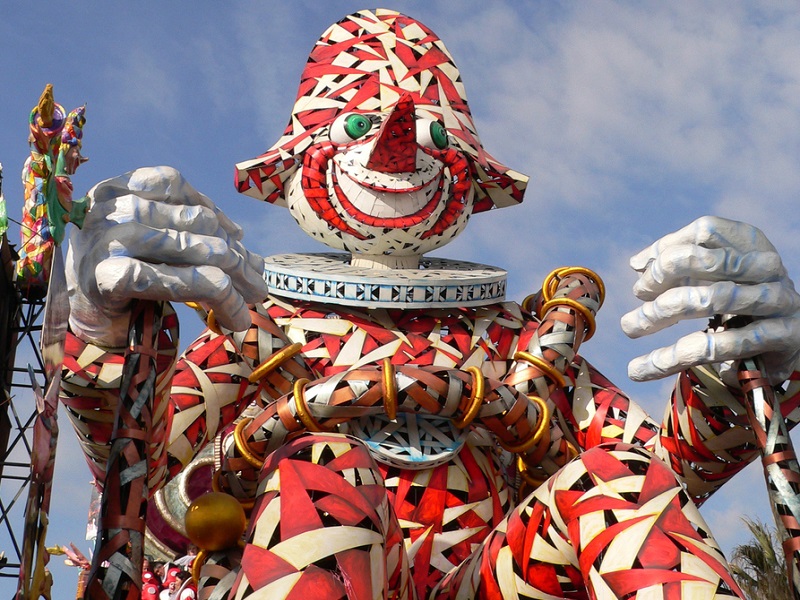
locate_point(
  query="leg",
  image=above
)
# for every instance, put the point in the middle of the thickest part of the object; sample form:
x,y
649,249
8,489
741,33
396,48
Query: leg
x,y
447,511
613,523
322,527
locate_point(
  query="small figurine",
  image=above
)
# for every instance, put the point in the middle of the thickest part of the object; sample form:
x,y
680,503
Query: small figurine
x,y
55,140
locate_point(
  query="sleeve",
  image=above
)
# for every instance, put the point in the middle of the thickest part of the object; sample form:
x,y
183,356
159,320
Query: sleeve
x,y
197,395
594,411
90,383
705,435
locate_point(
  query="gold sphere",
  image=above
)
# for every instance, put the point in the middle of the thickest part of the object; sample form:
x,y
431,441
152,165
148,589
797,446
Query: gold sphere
x,y
215,521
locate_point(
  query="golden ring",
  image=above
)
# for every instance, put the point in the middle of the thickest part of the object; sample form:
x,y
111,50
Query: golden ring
x,y
193,305
545,367
242,445
551,281
601,287
200,560
541,426
588,317
300,406
273,361
524,472
550,284
475,399
527,303
389,389
216,487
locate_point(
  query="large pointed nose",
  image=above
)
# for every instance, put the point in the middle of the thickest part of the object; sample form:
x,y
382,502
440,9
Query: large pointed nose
x,y
395,149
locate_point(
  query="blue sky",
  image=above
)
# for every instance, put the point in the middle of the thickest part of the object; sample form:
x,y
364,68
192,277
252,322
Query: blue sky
x,y
632,119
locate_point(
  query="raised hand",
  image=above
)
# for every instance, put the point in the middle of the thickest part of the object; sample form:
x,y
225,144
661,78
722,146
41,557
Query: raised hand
x,y
150,235
715,266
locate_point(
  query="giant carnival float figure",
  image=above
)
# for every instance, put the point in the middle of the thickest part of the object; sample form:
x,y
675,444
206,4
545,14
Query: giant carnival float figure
x,y
390,425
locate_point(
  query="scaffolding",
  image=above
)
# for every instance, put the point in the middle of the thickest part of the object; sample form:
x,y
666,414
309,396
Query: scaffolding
x,y
20,327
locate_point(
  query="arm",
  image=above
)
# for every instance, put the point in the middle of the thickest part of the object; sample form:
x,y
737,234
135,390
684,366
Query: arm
x,y
90,392
220,375
713,267
197,394
706,436
148,235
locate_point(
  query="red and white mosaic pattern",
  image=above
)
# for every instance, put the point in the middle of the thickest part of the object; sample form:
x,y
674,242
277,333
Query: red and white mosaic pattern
x,y
381,158
439,510
381,155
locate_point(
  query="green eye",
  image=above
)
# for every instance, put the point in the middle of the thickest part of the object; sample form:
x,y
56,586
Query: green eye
x,y
357,126
438,135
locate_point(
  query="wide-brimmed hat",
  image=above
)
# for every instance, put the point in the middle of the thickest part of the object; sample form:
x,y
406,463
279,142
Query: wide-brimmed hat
x,y
365,63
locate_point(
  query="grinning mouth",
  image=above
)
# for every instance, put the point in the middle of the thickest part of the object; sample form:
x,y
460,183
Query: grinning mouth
x,y
378,205
372,198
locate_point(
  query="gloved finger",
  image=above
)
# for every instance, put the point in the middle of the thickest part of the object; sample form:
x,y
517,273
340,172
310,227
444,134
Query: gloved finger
x,y
121,278
161,184
710,232
157,215
170,186
725,297
167,246
686,265
766,335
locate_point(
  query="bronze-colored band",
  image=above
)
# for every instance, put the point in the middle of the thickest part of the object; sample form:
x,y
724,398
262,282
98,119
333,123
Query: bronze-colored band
x,y
273,361
541,426
302,409
777,457
389,389
547,369
525,473
216,486
475,399
588,317
242,445
553,278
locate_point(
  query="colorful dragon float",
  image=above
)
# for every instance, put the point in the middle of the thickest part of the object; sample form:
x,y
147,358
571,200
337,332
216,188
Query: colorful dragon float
x,y
383,424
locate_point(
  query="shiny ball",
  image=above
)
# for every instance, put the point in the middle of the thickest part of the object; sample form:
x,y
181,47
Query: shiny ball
x,y
215,521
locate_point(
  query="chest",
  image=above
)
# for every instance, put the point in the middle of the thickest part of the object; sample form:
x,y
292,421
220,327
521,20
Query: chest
x,y
336,338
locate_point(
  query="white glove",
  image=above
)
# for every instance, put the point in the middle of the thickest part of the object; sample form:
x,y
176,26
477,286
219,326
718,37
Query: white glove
x,y
150,235
715,266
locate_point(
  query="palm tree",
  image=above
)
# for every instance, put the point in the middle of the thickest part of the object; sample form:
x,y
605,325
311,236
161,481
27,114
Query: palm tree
x,y
759,566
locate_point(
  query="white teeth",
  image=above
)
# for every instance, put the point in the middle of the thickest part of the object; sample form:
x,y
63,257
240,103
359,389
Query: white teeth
x,y
384,204
358,183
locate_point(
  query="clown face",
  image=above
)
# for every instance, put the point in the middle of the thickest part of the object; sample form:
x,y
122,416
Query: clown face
x,y
381,157
386,187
